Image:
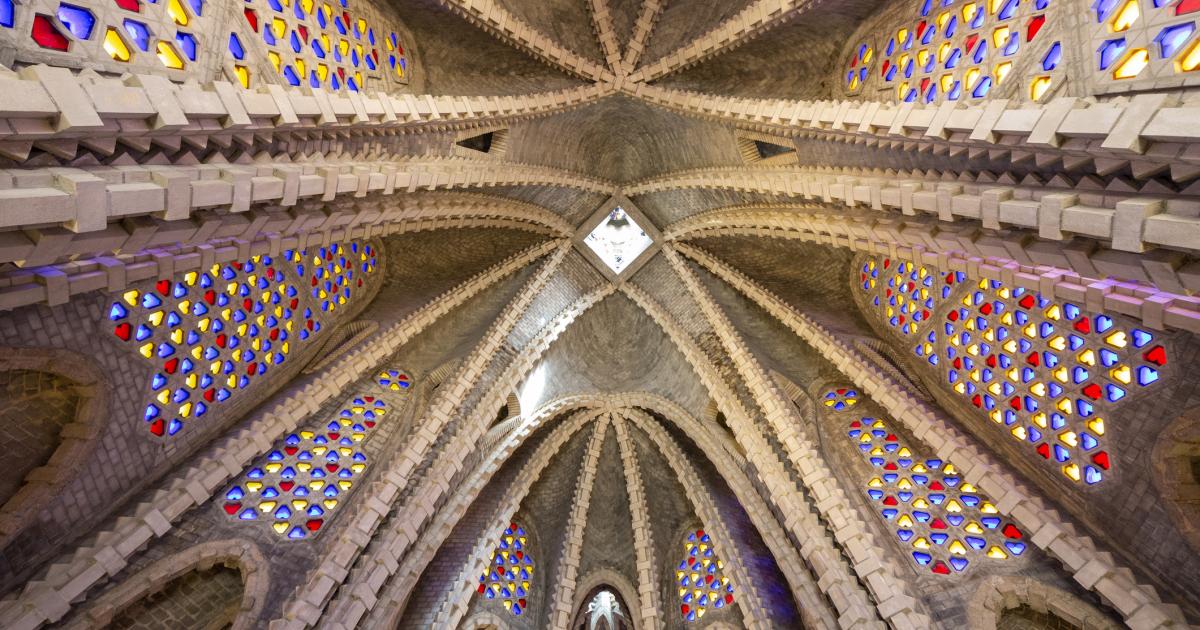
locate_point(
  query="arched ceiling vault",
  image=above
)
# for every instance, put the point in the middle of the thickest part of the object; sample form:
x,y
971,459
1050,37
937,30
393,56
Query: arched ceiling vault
x,y
653,104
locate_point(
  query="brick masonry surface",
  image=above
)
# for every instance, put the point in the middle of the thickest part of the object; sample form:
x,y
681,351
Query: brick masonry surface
x,y
34,408
202,599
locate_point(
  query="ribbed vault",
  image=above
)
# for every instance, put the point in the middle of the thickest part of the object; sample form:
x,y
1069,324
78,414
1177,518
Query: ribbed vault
x,y
606,415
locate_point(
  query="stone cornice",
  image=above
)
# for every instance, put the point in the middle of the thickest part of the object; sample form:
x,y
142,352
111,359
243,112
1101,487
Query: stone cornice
x,y
54,109
216,238
88,200
1151,134
1130,219
1067,273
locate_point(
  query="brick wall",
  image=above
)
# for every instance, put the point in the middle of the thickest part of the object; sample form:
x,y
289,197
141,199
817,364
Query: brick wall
x,y
204,599
34,408
1026,618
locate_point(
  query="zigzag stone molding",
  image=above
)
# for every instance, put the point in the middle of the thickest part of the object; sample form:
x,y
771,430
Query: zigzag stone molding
x,y
88,199
1151,132
602,24
394,595
49,105
215,238
647,17
895,602
643,545
1091,567
49,597
816,544
358,595
1131,220
455,608
572,545
305,608
815,608
749,600
1010,258
750,22
494,18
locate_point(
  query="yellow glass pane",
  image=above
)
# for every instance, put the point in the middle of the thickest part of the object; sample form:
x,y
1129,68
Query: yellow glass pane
x,y
168,56
1133,64
1126,16
1190,60
115,46
177,13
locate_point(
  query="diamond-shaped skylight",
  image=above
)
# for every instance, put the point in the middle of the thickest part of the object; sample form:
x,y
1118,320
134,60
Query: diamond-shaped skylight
x,y
618,240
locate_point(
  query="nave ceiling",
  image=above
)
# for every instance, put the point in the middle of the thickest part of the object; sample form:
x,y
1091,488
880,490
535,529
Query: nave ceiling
x,y
601,416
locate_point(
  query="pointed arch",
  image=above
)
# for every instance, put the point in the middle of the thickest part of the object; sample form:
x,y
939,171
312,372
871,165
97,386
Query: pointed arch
x,y
999,594
240,555
590,584
485,621
1176,464
62,451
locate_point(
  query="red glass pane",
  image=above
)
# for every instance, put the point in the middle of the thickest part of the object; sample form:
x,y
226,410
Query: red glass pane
x,y
252,18
46,35
1187,6
1035,25
129,5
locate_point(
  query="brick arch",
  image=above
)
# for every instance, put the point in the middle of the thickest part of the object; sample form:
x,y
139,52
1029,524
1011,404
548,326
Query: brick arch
x,y
484,621
233,553
714,417
1176,471
893,364
590,584
999,594
72,444
441,373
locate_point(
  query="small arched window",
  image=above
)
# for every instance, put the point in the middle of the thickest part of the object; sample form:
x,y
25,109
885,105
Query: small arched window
x,y
605,610
703,584
509,574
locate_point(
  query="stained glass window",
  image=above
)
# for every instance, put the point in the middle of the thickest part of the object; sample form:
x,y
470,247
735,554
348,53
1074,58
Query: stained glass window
x,y
510,571
1144,39
90,29
860,67
944,521
905,292
211,334
840,399
701,578
1043,371
957,50
322,45
299,483
393,380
